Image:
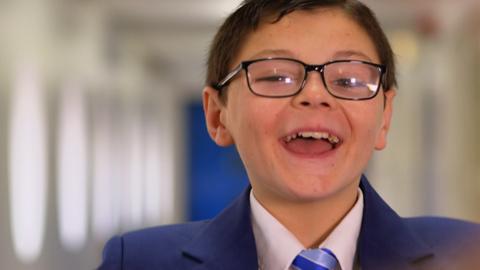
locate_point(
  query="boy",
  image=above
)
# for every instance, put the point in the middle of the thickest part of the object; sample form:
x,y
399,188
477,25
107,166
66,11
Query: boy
x,y
304,89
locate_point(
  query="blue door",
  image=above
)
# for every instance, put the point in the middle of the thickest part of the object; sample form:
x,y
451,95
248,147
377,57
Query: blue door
x,y
215,174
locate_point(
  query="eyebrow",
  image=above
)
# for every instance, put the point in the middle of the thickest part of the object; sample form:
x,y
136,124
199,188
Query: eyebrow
x,y
287,53
273,52
351,53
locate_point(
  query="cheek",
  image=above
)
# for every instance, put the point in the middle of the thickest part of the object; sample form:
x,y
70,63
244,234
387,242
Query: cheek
x,y
255,136
254,122
262,116
366,123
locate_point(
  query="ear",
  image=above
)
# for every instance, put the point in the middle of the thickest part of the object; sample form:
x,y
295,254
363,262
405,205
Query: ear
x,y
216,117
381,140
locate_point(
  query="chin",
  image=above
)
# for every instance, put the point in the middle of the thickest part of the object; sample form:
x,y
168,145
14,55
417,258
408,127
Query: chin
x,y
318,188
312,191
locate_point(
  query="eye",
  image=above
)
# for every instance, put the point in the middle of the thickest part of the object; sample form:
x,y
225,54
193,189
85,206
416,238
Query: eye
x,y
275,78
348,83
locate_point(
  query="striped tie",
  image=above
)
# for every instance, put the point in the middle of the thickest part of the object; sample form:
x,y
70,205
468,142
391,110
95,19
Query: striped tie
x,y
315,259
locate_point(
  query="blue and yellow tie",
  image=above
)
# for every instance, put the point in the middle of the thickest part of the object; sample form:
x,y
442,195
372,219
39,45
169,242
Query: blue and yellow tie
x,y
315,259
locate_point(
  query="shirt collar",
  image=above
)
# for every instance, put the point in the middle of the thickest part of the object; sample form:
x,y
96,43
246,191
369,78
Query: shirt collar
x,y
277,246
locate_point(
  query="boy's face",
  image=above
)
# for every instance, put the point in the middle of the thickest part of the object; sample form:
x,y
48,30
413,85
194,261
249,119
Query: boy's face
x,y
302,170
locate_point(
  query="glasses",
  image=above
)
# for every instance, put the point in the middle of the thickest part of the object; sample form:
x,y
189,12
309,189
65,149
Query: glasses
x,y
285,77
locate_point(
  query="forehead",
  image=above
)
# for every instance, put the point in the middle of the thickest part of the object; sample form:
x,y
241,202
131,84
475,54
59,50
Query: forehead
x,y
313,36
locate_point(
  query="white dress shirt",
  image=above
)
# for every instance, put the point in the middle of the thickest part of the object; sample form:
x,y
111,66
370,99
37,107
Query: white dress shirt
x,y
277,247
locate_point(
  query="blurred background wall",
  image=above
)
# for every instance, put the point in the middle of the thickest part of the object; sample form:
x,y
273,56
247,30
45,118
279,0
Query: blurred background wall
x,y
101,129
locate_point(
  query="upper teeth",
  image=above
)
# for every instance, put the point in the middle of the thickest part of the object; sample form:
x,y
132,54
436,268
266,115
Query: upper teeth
x,y
315,135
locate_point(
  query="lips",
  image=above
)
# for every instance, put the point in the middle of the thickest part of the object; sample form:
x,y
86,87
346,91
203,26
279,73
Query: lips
x,y
311,143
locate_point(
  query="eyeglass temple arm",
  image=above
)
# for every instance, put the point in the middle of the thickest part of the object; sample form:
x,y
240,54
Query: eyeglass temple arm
x,y
227,78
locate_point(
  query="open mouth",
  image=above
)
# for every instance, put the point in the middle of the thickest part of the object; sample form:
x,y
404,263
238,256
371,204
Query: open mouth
x,y
311,142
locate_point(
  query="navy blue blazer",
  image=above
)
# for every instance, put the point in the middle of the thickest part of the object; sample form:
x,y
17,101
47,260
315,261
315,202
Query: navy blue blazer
x,y
226,242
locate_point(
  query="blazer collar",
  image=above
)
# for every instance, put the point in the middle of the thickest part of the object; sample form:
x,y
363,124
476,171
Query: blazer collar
x,y
386,241
227,240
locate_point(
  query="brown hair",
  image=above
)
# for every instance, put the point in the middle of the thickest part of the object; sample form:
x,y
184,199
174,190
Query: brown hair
x,y
251,13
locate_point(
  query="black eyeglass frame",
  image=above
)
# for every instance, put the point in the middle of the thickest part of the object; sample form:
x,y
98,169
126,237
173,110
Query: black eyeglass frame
x,y
308,68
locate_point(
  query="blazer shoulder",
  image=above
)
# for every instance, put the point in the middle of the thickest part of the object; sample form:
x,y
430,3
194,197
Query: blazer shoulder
x,y
448,236
441,226
169,235
155,247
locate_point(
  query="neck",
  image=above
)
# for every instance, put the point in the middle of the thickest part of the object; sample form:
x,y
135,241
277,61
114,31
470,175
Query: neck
x,y
311,222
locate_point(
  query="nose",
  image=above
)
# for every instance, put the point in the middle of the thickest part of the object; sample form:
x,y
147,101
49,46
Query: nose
x,y
314,94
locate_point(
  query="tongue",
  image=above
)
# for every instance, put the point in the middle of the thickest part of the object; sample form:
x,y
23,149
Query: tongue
x,y
309,146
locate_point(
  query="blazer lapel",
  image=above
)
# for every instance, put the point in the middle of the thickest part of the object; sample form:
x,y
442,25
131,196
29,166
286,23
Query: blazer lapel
x,y
385,241
227,242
